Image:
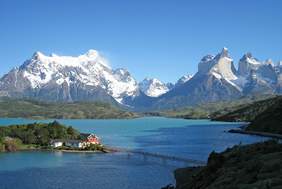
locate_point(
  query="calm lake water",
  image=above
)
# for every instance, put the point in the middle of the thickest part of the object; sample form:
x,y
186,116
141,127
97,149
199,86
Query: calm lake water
x,y
193,139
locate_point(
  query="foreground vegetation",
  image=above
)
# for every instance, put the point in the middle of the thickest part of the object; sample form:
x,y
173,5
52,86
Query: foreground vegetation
x,y
12,108
241,167
35,135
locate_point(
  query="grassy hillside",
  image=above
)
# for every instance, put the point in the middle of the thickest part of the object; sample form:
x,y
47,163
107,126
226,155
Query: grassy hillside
x,y
250,111
212,110
270,120
252,166
13,108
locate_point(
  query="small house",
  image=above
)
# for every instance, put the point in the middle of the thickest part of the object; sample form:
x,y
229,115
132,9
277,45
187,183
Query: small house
x,y
57,143
75,143
87,140
93,139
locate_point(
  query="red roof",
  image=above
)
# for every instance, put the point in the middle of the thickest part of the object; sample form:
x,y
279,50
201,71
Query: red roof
x,y
93,139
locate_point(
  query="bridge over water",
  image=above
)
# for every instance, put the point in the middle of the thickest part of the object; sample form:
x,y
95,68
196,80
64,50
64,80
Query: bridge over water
x,y
157,155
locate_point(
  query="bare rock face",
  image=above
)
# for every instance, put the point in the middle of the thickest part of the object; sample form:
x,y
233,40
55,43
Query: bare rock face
x,y
215,80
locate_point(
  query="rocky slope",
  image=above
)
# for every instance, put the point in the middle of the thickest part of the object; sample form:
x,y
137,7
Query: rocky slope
x,y
183,80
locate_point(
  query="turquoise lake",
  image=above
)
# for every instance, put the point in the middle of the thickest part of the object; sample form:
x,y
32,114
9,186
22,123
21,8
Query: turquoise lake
x,y
193,139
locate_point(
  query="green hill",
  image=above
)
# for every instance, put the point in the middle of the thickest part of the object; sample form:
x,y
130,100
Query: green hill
x,y
13,108
213,110
249,111
264,115
34,135
270,120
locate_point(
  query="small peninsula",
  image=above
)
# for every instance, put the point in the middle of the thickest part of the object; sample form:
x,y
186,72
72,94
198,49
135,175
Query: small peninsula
x,y
47,136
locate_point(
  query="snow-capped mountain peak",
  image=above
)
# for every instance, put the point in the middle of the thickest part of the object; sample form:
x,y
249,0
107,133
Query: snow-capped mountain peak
x,y
88,77
153,87
183,80
248,63
221,66
224,67
224,53
90,57
90,70
269,62
250,59
37,55
92,53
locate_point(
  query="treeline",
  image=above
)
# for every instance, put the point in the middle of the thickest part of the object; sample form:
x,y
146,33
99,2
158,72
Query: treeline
x,y
38,133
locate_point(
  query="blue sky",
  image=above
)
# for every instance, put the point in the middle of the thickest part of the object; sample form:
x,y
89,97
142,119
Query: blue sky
x,y
161,38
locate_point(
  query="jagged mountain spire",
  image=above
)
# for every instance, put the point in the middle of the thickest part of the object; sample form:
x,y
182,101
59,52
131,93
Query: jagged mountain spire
x,y
224,52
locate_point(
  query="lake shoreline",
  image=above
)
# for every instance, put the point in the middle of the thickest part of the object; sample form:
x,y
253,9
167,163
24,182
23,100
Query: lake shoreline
x,y
106,150
243,161
257,133
169,136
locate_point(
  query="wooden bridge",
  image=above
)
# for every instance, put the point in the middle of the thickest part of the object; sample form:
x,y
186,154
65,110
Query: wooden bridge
x,y
157,155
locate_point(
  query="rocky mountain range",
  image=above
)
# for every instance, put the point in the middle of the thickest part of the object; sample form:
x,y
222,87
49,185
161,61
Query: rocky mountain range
x,y
183,79
88,77
64,78
217,79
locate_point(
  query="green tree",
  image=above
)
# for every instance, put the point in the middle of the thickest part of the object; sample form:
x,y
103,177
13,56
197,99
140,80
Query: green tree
x,y
29,138
43,136
12,144
73,134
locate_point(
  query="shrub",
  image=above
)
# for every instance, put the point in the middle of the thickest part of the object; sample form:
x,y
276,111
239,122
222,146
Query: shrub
x,y
12,144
